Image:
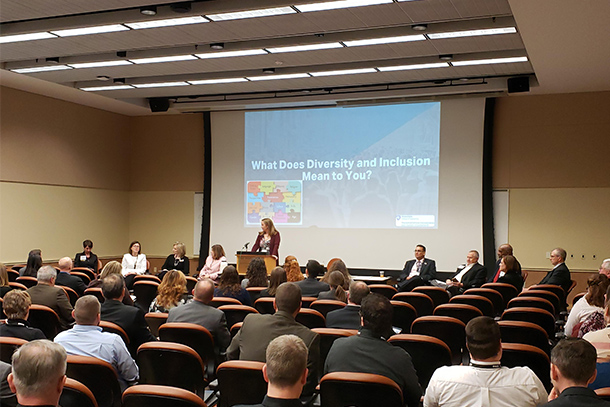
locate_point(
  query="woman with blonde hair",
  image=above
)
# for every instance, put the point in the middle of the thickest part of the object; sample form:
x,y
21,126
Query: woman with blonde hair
x,y
268,239
338,265
293,270
4,285
171,292
112,267
336,280
215,263
177,260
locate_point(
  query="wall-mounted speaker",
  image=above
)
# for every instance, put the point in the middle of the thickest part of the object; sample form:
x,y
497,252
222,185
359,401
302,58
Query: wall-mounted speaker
x,y
518,84
158,104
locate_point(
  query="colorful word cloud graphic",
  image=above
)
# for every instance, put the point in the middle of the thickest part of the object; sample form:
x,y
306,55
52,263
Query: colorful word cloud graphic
x,y
279,200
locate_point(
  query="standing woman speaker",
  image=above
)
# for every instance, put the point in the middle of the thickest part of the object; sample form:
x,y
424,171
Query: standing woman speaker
x,y
268,240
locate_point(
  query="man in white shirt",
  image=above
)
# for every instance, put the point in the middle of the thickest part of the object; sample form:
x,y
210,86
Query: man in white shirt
x,y
484,383
470,275
87,339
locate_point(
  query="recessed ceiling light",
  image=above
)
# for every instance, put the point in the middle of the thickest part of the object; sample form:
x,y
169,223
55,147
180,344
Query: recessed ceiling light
x,y
103,78
273,77
90,30
120,81
419,27
155,60
344,72
269,71
310,47
445,57
490,61
226,54
414,66
217,46
5,39
266,12
41,69
472,33
100,64
385,40
216,81
332,5
168,22
148,10
159,84
52,60
110,87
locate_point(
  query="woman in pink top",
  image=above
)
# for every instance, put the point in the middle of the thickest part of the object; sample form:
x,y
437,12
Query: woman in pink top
x,y
215,263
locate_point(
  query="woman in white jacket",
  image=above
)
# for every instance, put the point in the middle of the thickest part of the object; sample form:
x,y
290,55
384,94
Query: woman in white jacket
x,y
134,263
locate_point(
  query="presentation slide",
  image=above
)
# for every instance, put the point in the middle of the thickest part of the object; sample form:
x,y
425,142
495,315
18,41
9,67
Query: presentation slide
x,y
362,167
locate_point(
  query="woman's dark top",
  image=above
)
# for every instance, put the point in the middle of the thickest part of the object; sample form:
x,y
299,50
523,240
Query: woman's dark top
x,y
90,263
20,328
265,293
172,264
5,289
513,279
242,295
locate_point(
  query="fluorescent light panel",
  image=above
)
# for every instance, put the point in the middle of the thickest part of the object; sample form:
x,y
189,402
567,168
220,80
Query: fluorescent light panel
x,y
41,69
266,12
26,37
155,60
344,72
112,87
310,47
415,66
216,81
332,5
489,61
100,29
159,84
226,54
385,40
472,33
166,23
100,64
273,77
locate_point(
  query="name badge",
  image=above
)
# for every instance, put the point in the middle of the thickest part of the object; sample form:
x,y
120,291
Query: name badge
x,y
83,257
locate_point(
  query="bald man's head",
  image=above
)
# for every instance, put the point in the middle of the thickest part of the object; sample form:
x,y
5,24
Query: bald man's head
x,y
204,291
65,264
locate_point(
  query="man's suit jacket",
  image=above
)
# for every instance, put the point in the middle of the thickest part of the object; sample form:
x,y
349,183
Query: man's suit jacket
x,y
54,298
577,397
426,273
344,318
311,287
212,319
74,282
7,397
475,277
560,275
131,319
258,330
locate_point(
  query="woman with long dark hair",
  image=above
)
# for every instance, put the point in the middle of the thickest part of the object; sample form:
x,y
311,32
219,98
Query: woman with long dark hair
x,y
277,277
229,286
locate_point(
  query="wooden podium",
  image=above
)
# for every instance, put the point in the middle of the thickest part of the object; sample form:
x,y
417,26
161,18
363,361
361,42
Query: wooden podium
x,y
244,259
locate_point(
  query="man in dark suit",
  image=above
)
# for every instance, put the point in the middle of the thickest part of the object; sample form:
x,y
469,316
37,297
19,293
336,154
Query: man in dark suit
x,y
45,293
130,318
418,271
260,329
348,317
573,364
560,275
311,287
64,278
503,251
7,397
199,312
469,275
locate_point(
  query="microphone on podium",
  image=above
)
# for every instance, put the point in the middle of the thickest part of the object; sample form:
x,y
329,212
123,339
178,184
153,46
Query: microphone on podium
x,y
245,247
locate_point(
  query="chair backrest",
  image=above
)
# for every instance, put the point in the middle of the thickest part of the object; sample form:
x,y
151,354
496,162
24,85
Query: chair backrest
x,y
115,329
555,289
235,329
145,292
311,318
147,277
8,346
463,312
306,301
148,395
98,376
86,271
603,393
100,266
492,295
247,376
97,292
171,364
236,313
578,297
427,353
325,306
45,319
383,289
340,389
264,305
76,394
571,287
403,316
482,303
328,337
547,295
195,336
83,276
526,333
537,316
447,329
535,302
516,354
17,285
191,282
155,320
422,303
12,274
71,294
439,295
220,301
508,291
27,281
255,293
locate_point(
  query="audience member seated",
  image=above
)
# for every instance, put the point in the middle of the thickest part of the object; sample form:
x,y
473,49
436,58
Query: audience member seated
x,y
133,263
560,274
4,281
171,292
215,263
349,316
503,251
591,302
229,286
572,369
176,261
64,278
38,373
33,264
45,293
285,371
7,397
293,270
258,330
130,318
336,292
338,265
86,258
418,271
199,312
277,277
256,274
605,268
369,352
310,286
484,382
600,339
87,339
469,275
509,272
17,308
112,267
